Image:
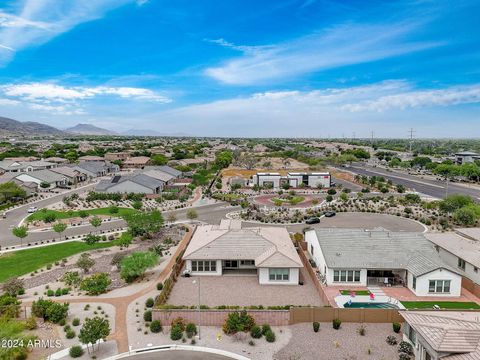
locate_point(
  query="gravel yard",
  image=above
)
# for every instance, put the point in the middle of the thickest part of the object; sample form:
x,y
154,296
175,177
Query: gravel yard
x,y
242,291
343,344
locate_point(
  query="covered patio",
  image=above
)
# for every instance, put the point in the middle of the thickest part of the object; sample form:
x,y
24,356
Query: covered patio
x,y
386,278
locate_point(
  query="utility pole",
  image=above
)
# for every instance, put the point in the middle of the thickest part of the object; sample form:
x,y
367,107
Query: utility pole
x,y
411,132
353,135
373,135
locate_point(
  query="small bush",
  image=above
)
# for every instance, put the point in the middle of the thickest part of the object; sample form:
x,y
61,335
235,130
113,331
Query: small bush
x,y
191,330
159,286
362,330
270,336
391,340
251,343
336,323
178,322
256,332
405,348
396,327
176,333
265,329
403,356
50,292
31,323
155,326
149,303
58,292
316,326
62,322
76,351
70,334
76,322
147,315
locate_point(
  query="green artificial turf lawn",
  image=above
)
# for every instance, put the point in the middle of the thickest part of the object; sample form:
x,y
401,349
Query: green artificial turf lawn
x,y
26,261
442,304
40,214
357,292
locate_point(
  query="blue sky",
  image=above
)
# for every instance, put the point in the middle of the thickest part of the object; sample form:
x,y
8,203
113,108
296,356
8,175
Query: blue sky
x,y
244,67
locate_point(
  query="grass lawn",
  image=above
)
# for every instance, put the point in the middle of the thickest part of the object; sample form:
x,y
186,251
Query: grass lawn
x,y
292,201
40,214
356,292
26,261
442,304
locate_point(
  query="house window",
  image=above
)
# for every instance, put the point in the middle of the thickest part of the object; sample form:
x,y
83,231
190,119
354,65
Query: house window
x,y
475,269
279,274
346,275
410,334
414,283
204,266
461,264
247,262
439,286
311,249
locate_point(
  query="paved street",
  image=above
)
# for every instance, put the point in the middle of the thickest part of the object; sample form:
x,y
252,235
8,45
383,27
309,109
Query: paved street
x,y
209,213
177,355
434,188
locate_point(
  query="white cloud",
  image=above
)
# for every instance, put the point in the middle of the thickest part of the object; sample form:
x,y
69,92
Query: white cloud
x,y
442,97
39,21
337,46
50,97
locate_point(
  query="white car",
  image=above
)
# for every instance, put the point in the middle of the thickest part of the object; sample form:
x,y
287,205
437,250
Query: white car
x,y
32,209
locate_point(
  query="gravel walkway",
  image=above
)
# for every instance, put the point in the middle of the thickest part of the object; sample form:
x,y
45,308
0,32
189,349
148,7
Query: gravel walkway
x,y
343,344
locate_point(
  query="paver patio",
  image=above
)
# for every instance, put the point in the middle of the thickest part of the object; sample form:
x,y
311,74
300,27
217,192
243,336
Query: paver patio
x,y
242,290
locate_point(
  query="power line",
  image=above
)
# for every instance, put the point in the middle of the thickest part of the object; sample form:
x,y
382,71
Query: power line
x,y
412,134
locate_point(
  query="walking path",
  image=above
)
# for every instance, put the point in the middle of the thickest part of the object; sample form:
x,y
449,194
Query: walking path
x,y
120,334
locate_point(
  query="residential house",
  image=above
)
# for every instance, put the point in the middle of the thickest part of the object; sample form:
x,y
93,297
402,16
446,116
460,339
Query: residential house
x,y
57,160
41,177
382,258
137,162
445,335
91,158
460,250
15,166
122,156
94,169
73,175
136,183
216,250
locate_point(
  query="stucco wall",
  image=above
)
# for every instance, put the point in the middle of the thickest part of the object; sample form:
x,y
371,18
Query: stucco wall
x,y
263,277
188,266
440,274
452,260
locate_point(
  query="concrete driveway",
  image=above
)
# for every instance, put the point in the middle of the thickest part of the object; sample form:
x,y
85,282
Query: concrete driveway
x,y
177,355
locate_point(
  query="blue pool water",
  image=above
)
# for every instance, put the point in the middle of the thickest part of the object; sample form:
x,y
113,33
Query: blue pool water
x,y
369,305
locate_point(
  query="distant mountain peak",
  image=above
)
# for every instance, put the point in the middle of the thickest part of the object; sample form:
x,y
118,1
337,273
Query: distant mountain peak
x,y
88,129
14,127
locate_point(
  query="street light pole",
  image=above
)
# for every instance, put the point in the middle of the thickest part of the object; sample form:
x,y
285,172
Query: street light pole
x,y
198,307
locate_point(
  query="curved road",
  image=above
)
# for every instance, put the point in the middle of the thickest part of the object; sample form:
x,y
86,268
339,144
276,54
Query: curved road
x,y
177,355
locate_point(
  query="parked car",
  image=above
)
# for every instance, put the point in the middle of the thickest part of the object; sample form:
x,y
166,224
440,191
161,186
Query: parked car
x,y
330,213
4,215
313,220
32,209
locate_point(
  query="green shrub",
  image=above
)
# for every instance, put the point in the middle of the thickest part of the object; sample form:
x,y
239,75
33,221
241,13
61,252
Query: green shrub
x,y
316,326
31,323
155,326
62,322
76,322
96,284
396,327
50,292
265,329
238,321
270,336
336,323
49,310
149,303
70,334
256,332
391,340
191,330
176,333
406,348
76,351
178,322
147,316
58,292
159,286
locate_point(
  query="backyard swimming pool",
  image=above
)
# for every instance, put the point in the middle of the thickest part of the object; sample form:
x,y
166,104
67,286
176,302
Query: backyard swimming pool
x,y
369,305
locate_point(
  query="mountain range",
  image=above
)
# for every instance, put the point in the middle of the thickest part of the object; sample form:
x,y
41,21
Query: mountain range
x,y
11,127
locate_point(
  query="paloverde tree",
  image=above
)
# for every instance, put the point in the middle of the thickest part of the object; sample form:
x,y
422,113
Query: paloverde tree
x,y
95,222
92,331
59,228
192,214
144,224
134,266
21,232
